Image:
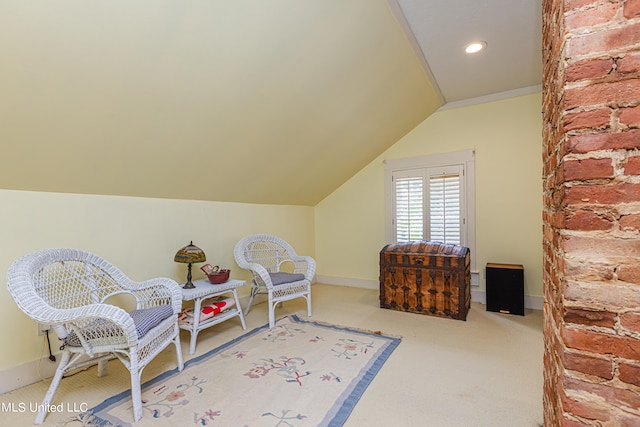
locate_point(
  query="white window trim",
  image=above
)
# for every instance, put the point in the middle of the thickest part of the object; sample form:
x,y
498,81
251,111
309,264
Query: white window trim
x,y
467,158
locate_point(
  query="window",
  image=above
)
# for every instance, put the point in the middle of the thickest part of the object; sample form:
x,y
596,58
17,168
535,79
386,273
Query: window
x,y
428,204
431,198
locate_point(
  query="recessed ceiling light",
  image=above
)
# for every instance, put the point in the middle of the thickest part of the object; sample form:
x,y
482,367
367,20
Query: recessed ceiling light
x,y
475,47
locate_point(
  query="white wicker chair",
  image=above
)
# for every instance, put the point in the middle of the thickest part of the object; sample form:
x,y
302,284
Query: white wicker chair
x,y
68,289
264,256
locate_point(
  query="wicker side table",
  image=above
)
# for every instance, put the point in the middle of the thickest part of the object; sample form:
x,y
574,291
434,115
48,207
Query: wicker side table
x,y
204,290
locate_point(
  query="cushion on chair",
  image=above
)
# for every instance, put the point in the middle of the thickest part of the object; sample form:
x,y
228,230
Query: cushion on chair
x,y
281,278
148,318
144,320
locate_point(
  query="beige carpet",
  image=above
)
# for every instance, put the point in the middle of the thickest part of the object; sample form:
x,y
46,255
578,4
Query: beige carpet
x,y
298,373
486,371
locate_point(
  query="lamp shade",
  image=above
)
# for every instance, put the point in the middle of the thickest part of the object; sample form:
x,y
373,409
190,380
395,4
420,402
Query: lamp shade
x,y
190,254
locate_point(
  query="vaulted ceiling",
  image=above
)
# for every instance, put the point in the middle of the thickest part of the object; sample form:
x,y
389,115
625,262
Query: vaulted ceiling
x,y
256,101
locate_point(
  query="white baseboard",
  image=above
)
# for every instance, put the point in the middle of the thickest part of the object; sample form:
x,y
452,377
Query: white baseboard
x,y
349,282
534,302
28,373
477,295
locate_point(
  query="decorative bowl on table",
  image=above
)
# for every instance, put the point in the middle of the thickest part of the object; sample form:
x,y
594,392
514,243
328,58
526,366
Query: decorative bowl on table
x,y
219,276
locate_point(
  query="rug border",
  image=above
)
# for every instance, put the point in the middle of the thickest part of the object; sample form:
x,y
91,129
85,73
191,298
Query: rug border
x,y
353,394
349,398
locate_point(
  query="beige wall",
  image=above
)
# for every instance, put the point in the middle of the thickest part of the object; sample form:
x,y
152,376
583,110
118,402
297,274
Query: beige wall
x,y
506,137
138,235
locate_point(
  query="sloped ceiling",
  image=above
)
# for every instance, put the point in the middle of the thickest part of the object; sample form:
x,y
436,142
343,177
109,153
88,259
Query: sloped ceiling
x,y
257,101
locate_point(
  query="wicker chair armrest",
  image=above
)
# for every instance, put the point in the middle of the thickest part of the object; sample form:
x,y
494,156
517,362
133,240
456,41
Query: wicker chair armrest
x,y
260,273
109,312
154,292
304,265
61,315
81,319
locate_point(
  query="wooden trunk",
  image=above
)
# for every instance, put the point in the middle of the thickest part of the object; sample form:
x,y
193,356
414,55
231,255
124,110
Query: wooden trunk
x,y
427,278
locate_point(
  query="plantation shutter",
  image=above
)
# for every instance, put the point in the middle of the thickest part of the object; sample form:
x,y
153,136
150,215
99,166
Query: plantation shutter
x,y
409,209
444,208
409,198
429,204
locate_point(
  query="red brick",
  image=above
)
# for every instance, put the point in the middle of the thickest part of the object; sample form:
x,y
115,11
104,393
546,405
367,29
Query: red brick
x,y
603,41
557,219
600,343
630,222
587,220
603,194
610,394
559,178
587,410
630,321
632,166
595,119
587,169
598,367
630,374
590,317
632,9
603,93
629,273
600,14
580,144
589,69
629,63
627,420
630,116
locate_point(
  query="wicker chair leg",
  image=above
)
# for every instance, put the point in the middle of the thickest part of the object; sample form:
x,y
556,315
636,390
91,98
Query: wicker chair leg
x,y
103,367
136,395
272,314
308,298
42,412
176,341
254,291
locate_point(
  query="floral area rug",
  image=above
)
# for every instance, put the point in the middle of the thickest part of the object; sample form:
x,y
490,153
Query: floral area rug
x,y
299,373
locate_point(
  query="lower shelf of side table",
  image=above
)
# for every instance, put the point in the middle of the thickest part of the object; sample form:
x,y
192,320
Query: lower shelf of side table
x,y
218,318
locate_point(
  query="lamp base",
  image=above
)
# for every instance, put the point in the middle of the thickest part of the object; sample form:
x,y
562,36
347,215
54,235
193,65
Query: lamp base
x,y
189,284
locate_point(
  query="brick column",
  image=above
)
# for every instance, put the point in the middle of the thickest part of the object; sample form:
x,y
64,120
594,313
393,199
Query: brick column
x,y
591,217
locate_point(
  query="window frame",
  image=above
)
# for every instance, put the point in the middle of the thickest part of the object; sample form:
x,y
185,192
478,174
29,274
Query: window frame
x,y
466,159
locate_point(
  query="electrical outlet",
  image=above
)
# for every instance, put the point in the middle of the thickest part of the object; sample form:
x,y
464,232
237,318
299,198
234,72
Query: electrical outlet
x,y
43,328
